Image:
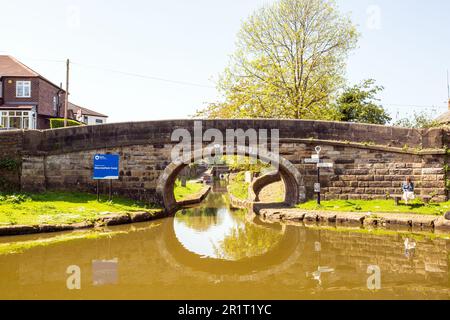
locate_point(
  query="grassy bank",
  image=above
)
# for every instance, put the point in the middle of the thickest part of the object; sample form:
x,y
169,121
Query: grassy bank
x,y
381,206
238,187
182,193
61,208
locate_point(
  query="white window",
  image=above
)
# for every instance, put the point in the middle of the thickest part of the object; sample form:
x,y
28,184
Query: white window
x,y
23,89
17,120
3,120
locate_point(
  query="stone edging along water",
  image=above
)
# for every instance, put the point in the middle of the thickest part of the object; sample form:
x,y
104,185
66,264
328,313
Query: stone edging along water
x,y
384,220
111,219
237,203
196,198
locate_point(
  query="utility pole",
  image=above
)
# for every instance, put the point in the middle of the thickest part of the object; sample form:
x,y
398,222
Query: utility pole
x,y
66,102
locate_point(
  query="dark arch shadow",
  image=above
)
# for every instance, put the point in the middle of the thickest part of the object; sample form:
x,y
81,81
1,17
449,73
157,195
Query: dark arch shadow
x,y
293,180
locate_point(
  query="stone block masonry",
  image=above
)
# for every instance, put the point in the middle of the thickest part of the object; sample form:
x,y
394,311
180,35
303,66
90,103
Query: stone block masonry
x,y
366,174
369,161
11,146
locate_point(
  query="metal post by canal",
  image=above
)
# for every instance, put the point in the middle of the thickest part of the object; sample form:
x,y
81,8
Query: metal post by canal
x,y
318,150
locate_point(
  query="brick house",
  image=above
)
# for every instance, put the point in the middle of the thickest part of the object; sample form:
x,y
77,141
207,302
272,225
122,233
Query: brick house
x,y
86,115
27,99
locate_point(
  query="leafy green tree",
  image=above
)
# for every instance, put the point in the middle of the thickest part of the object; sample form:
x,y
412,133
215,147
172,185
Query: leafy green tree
x,y
359,104
289,63
244,163
420,120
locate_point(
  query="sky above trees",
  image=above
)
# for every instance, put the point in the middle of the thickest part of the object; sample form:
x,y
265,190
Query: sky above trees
x,y
403,46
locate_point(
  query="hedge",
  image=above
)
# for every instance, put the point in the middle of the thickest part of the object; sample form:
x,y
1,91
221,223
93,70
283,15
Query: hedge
x,y
59,123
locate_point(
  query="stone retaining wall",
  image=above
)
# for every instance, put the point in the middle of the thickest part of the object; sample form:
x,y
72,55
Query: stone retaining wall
x,y
10,152
369,173
259,183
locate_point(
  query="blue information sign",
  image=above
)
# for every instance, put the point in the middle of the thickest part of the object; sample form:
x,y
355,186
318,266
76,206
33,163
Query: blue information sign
x,y
106,166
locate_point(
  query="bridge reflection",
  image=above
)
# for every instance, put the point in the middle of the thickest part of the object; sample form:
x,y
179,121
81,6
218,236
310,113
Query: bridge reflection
x,y
155,262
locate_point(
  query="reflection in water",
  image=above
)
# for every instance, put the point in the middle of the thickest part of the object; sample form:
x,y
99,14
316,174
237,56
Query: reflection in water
x,y
214,253
246,241
213,230
317,275
410,248
104,272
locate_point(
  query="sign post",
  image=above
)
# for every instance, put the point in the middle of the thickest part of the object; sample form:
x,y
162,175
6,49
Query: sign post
x,y
106,167
315,159
317,156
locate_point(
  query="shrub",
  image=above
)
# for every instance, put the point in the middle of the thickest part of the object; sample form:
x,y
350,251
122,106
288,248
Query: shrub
x,y
14,198
9,164
59,123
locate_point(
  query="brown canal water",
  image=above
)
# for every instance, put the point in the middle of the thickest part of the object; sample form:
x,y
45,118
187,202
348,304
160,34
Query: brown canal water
x,y
212,252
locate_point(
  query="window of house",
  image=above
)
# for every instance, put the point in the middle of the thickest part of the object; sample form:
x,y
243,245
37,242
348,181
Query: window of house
x,y
17,120
4,119
23,89
98,121
1,89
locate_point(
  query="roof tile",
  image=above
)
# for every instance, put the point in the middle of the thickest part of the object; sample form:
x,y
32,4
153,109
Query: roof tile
x,y
11,67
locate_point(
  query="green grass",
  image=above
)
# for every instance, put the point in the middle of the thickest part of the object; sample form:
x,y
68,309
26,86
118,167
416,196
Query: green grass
x,y
181,193
61,208
238,187
381,206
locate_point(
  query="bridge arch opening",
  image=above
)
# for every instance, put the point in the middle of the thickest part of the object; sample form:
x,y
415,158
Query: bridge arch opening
x,y
287,173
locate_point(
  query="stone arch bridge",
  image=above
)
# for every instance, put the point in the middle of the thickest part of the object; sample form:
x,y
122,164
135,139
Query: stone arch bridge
x,y
370,161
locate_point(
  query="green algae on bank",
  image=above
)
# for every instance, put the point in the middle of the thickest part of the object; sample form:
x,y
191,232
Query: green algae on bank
x,y
16,247
21,246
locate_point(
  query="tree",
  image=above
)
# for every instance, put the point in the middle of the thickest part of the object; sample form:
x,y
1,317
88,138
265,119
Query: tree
x,y
420,120
289,62
359,104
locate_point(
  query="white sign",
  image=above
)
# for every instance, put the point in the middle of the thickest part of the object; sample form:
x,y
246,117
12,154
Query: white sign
x,y
315,156
248,177
312,161
325,165
317,187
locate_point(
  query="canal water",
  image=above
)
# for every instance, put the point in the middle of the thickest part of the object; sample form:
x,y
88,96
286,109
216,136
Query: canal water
x,y
213,252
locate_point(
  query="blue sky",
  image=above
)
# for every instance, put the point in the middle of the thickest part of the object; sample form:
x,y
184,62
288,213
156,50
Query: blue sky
x,y
404,45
